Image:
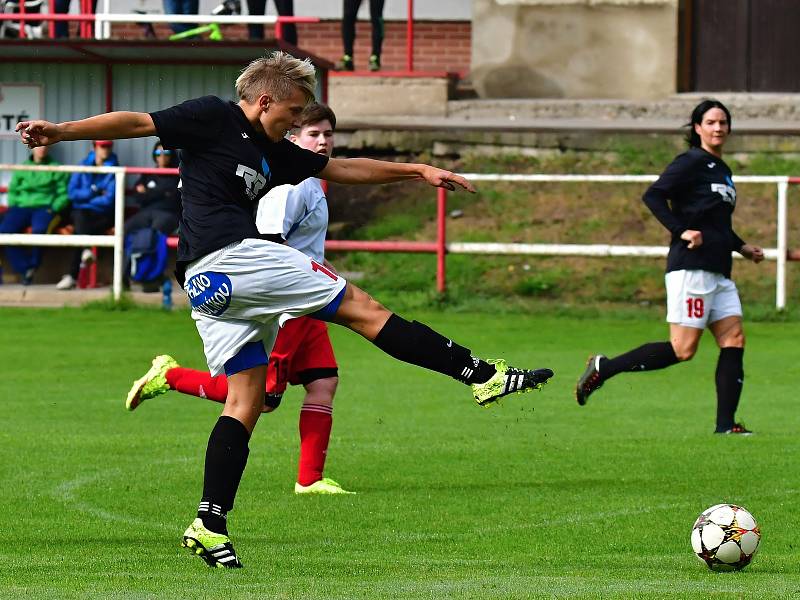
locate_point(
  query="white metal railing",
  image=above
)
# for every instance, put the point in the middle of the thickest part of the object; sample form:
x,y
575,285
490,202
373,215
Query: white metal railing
x,y
104,18
107,241
778,254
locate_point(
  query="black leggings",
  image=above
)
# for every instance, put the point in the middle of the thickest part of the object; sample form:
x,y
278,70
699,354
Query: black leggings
x,y
285,9
349,25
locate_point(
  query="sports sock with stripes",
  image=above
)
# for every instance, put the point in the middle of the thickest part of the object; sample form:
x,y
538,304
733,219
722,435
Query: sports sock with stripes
x,y
198,383
729,379
417,344
226,457
649,357
316,421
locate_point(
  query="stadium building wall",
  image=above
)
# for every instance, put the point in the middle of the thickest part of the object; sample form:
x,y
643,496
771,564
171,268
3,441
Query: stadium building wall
x,y
73,91
624,49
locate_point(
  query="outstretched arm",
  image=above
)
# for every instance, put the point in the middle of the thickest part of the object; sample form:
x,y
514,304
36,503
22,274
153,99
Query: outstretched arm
x,y
367,170
109,126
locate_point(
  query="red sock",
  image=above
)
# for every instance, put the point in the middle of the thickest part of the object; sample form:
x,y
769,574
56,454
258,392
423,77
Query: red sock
x,y
198,383
315,431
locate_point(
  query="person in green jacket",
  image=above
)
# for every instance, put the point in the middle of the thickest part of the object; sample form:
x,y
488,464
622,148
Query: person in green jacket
x,y
35,199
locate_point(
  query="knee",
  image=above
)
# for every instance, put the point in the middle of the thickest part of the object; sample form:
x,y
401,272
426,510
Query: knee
x,y
361,312
684,352
321,391
732,340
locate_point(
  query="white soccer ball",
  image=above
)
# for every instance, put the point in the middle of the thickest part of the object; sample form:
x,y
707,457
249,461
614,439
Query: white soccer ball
x,y
725,537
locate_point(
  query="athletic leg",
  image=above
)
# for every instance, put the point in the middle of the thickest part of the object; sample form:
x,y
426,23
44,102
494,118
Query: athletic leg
x,y
690,295
648,357
285,8
729,375
256,7
349,16
418,344
226,458
376,18
316,421
198,383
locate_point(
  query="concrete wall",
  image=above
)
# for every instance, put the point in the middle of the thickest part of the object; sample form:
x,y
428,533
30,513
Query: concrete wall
x,y
574,48
362,97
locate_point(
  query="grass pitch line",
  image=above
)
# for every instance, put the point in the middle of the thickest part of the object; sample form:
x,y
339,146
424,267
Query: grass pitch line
x,y
67,494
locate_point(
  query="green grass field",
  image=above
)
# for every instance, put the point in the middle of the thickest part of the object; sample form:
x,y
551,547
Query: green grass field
x,y
534,498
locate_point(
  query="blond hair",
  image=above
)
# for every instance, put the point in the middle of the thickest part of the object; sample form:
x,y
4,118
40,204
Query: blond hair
x,y
277,75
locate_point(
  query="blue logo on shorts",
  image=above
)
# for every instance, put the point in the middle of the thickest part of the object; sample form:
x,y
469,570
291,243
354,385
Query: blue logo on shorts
x,y
210,293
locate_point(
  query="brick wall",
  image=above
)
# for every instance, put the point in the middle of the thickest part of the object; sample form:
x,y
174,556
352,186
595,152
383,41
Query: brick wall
x,y
438,45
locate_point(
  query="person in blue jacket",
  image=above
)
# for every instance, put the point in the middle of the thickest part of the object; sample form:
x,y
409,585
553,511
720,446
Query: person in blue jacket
x,y
92,198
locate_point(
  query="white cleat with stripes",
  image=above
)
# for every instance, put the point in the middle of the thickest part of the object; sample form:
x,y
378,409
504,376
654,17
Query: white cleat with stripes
x,y
508,380
214,548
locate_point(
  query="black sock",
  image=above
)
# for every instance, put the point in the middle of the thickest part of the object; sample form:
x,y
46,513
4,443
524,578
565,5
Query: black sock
x,y
420,345
649,357
226,457
729,378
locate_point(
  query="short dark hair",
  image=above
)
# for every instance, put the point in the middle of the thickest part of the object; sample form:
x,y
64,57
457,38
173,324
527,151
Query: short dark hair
x,y
316,112
692,138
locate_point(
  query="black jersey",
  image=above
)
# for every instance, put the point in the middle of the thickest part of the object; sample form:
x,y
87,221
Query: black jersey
x,y
226,168
703,197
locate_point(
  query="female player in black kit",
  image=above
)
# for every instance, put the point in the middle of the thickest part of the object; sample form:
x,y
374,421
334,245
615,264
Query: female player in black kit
x,y
700,293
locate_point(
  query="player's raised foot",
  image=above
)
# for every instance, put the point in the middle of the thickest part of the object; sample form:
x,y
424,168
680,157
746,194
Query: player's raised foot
x,y
214,548
737,429
590,380
323,486
508,380
152,383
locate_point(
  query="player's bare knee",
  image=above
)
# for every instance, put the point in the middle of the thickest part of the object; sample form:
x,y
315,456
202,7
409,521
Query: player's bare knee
x,y
732,340
321,391
684,352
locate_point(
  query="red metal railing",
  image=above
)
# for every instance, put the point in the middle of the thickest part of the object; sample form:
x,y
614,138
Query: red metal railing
x,y
87,19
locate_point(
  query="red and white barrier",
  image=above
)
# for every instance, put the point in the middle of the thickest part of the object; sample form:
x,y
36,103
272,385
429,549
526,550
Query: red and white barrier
x,y
780,254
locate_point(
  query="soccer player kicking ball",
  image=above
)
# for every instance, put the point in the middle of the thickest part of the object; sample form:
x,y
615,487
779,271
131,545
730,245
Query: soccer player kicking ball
x,y
302,353
242,285
700,293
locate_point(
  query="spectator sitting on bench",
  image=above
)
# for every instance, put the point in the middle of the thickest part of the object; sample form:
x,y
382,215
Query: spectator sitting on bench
x,y
157,196
92,198
34,200
159,205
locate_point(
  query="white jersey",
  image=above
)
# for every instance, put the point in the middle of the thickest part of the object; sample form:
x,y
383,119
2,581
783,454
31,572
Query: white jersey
x,y
299,213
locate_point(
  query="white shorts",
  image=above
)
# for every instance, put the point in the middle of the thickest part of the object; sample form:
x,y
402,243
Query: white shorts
x,y
242,293
697,298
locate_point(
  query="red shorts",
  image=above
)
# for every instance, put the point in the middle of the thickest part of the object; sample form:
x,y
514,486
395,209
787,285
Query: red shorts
x,y
302,354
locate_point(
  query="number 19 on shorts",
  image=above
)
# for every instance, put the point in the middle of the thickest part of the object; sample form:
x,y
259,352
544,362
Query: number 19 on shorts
x,y
695,308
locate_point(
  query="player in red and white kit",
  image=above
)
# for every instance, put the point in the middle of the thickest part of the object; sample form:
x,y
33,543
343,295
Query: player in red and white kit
x,y
302,354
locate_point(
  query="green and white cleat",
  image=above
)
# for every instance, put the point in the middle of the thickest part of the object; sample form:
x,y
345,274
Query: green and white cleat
x,y
508,380
153,383
323,486
214,548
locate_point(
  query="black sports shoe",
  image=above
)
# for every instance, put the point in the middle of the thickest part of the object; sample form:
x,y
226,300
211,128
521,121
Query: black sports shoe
x,y
346,64
590,380
737,429
374,63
